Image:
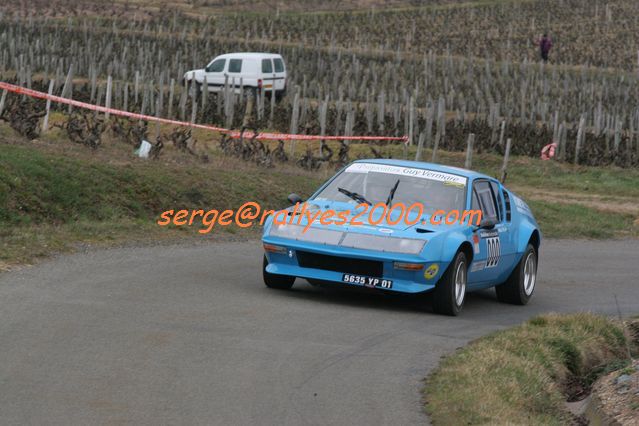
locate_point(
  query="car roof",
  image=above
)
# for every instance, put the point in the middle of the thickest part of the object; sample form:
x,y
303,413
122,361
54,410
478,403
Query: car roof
x,y
427,166
251,55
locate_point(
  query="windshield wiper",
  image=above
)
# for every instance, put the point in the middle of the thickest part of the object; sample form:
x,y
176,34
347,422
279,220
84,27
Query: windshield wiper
x,y
355,196
389,200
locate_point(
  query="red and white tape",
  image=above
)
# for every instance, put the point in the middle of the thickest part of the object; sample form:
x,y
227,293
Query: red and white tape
x,y
232,133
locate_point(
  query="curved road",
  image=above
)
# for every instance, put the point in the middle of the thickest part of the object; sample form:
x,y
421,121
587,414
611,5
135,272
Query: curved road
x,y
189,335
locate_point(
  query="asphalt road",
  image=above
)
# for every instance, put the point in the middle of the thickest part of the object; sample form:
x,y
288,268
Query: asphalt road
x,y
189,335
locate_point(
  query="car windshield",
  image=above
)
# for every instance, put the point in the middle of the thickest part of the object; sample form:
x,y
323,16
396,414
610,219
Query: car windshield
x,y
374,183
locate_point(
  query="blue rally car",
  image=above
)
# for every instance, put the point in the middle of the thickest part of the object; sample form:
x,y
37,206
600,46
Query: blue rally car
x,y
427,250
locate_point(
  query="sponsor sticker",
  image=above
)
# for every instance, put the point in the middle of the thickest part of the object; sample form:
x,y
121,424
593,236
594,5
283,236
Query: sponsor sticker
x,y
489,234
408,171
521,206
478,266
431,271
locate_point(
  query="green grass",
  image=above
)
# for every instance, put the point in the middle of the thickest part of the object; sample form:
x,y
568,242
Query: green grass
x,y
49,202
521,375
576,221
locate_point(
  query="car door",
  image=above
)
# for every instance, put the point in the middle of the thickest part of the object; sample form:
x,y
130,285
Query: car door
x,y
267,74
234,72
508,232
488,265
214,73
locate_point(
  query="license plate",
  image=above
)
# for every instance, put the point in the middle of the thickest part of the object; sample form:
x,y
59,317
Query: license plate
x,y
367,281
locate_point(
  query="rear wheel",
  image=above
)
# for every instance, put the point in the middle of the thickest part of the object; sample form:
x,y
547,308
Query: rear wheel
x,y
450,290
250,92
519,287
280,282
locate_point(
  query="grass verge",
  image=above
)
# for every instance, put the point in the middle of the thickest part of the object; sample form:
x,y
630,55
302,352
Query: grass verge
x,y
525,374
50,202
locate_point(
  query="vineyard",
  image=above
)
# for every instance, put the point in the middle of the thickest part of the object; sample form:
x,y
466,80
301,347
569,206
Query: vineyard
x,y
436,74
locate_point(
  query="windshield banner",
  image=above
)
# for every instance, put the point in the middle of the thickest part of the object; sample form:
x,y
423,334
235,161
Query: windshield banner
x,y
406,171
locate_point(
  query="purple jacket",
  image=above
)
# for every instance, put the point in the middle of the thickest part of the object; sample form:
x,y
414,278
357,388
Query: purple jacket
x,y
545,44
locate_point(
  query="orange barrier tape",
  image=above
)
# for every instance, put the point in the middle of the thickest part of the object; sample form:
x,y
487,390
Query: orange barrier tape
x,y
232,133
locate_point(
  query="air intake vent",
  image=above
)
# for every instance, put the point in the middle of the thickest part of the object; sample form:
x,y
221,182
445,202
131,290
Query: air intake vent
x,y
370,268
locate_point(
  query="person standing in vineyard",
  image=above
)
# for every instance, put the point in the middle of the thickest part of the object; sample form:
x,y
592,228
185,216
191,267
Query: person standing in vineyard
x,y
545,44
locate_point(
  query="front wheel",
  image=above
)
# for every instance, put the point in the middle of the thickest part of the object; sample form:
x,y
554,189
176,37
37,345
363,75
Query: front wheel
x,y
280,282
450,290
519,287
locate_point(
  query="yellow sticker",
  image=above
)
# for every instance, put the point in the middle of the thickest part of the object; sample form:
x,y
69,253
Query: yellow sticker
x,y
431,271
457,184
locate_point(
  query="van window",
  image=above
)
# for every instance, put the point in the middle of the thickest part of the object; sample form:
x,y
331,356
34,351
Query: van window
x,y
267,66
235,65
216,66
279,65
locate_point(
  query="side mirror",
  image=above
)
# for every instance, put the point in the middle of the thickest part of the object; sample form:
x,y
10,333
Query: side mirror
x,y
487,224
294,199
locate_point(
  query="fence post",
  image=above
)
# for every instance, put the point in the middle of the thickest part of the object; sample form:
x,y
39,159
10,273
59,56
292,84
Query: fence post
x,y
3,100
67,89
580,133
469,151
501,134
108,96
294,118
504,167
171,94
45,122
420,146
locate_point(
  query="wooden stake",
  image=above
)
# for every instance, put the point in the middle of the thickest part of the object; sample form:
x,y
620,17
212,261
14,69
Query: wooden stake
x,y
108,96
469,151
45,122
3,100
504,167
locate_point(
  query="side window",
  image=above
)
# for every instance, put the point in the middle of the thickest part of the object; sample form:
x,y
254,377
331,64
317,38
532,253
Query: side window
x,y
279,65
486,200
497,194
235,65
475,202
216,66
267,66
507,202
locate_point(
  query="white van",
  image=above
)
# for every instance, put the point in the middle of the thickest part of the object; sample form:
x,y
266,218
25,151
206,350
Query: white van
x,y
264,72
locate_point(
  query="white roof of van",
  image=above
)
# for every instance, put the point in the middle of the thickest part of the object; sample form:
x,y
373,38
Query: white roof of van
x,y
247,55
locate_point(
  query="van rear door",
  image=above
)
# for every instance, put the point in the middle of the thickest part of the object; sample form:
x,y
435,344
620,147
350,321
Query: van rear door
x,y
267,74
280,73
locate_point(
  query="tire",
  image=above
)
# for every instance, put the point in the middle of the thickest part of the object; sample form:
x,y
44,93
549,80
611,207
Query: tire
x,y
450,290
279,282
279,95
519,287
250,92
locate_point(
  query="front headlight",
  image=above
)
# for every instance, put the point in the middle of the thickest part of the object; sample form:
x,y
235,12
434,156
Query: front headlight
x,y
383,243
312,235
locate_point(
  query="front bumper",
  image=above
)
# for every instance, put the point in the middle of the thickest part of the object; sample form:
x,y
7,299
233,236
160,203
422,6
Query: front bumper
x,y
404,281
